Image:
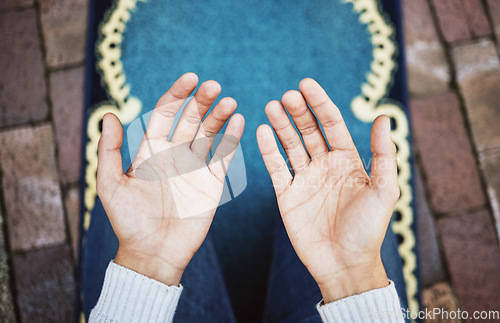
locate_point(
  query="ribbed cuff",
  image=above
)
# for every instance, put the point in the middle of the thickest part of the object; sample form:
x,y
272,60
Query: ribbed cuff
x,y
376,305
128,296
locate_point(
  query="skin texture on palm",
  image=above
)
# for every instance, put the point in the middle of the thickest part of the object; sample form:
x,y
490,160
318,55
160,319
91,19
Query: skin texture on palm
x,y
335,215
162,208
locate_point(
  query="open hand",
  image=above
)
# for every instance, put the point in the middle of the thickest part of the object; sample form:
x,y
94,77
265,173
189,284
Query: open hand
x,y
162,208
335,215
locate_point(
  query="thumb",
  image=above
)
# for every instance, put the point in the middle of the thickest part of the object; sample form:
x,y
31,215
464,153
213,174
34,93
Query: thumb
x,y
384,174
109,161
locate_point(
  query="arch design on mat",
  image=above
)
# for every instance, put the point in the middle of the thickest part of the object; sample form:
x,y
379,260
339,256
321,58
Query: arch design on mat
x,y
370,104
366,107
126,107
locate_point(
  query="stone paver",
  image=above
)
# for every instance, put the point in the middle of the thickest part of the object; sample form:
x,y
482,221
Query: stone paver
x,y
22,81
7,313
477,18
461,19
66,92
31,188
440,296
72,203
490,165
452,19
446,154
473,257
431,267
428,70
7,4
494,8
478,75
45,285
64,24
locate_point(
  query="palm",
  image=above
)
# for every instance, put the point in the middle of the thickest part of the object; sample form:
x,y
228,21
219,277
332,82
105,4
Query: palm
x,y
325,219
163,206
334,213
168,197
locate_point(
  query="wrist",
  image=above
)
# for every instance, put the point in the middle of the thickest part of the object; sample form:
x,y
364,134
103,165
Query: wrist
x,y
353,281
150,266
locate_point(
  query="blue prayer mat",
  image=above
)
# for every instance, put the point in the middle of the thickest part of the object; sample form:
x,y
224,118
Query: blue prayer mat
x,y
256,50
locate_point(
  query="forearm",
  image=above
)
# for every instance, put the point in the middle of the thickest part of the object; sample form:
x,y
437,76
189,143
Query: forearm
x,y
128,296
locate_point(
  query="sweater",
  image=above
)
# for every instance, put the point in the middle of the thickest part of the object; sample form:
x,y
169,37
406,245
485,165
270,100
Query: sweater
x,y
128,296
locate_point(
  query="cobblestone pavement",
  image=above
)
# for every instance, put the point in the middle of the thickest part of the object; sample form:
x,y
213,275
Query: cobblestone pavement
x,y
452,49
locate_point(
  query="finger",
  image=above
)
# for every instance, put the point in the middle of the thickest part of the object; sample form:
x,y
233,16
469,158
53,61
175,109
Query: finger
x,y
384,174
275,164
306,123
227,147
288,136
211,126
328,114
109,165
194,112
162,118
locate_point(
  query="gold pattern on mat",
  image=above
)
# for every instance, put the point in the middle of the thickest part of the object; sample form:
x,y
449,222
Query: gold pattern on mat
x,y
366,107
370,104
126,107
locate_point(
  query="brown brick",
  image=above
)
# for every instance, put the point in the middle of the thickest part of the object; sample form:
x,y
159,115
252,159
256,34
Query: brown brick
x,y
452,19
64,24
7,313
446,153
72,203
7,4
477,19
31,188
490,165
462,19
494,9
440,296
431,269
473,257
22,80
45,285
66,92
478,75
428,71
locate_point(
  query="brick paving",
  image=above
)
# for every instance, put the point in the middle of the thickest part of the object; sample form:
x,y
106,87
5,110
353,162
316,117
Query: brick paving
x,y
45,291
453,72
453,64
66,93
41,109
22,81
473,256
7,312
64,46
446,153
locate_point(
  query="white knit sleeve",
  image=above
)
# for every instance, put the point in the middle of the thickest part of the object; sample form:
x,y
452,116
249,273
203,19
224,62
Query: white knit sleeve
x,y
376,305
128,296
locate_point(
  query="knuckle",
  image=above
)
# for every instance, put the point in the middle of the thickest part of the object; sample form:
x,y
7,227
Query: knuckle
x,y
210,134
291,144
192,119
165,112
308,129
330,123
